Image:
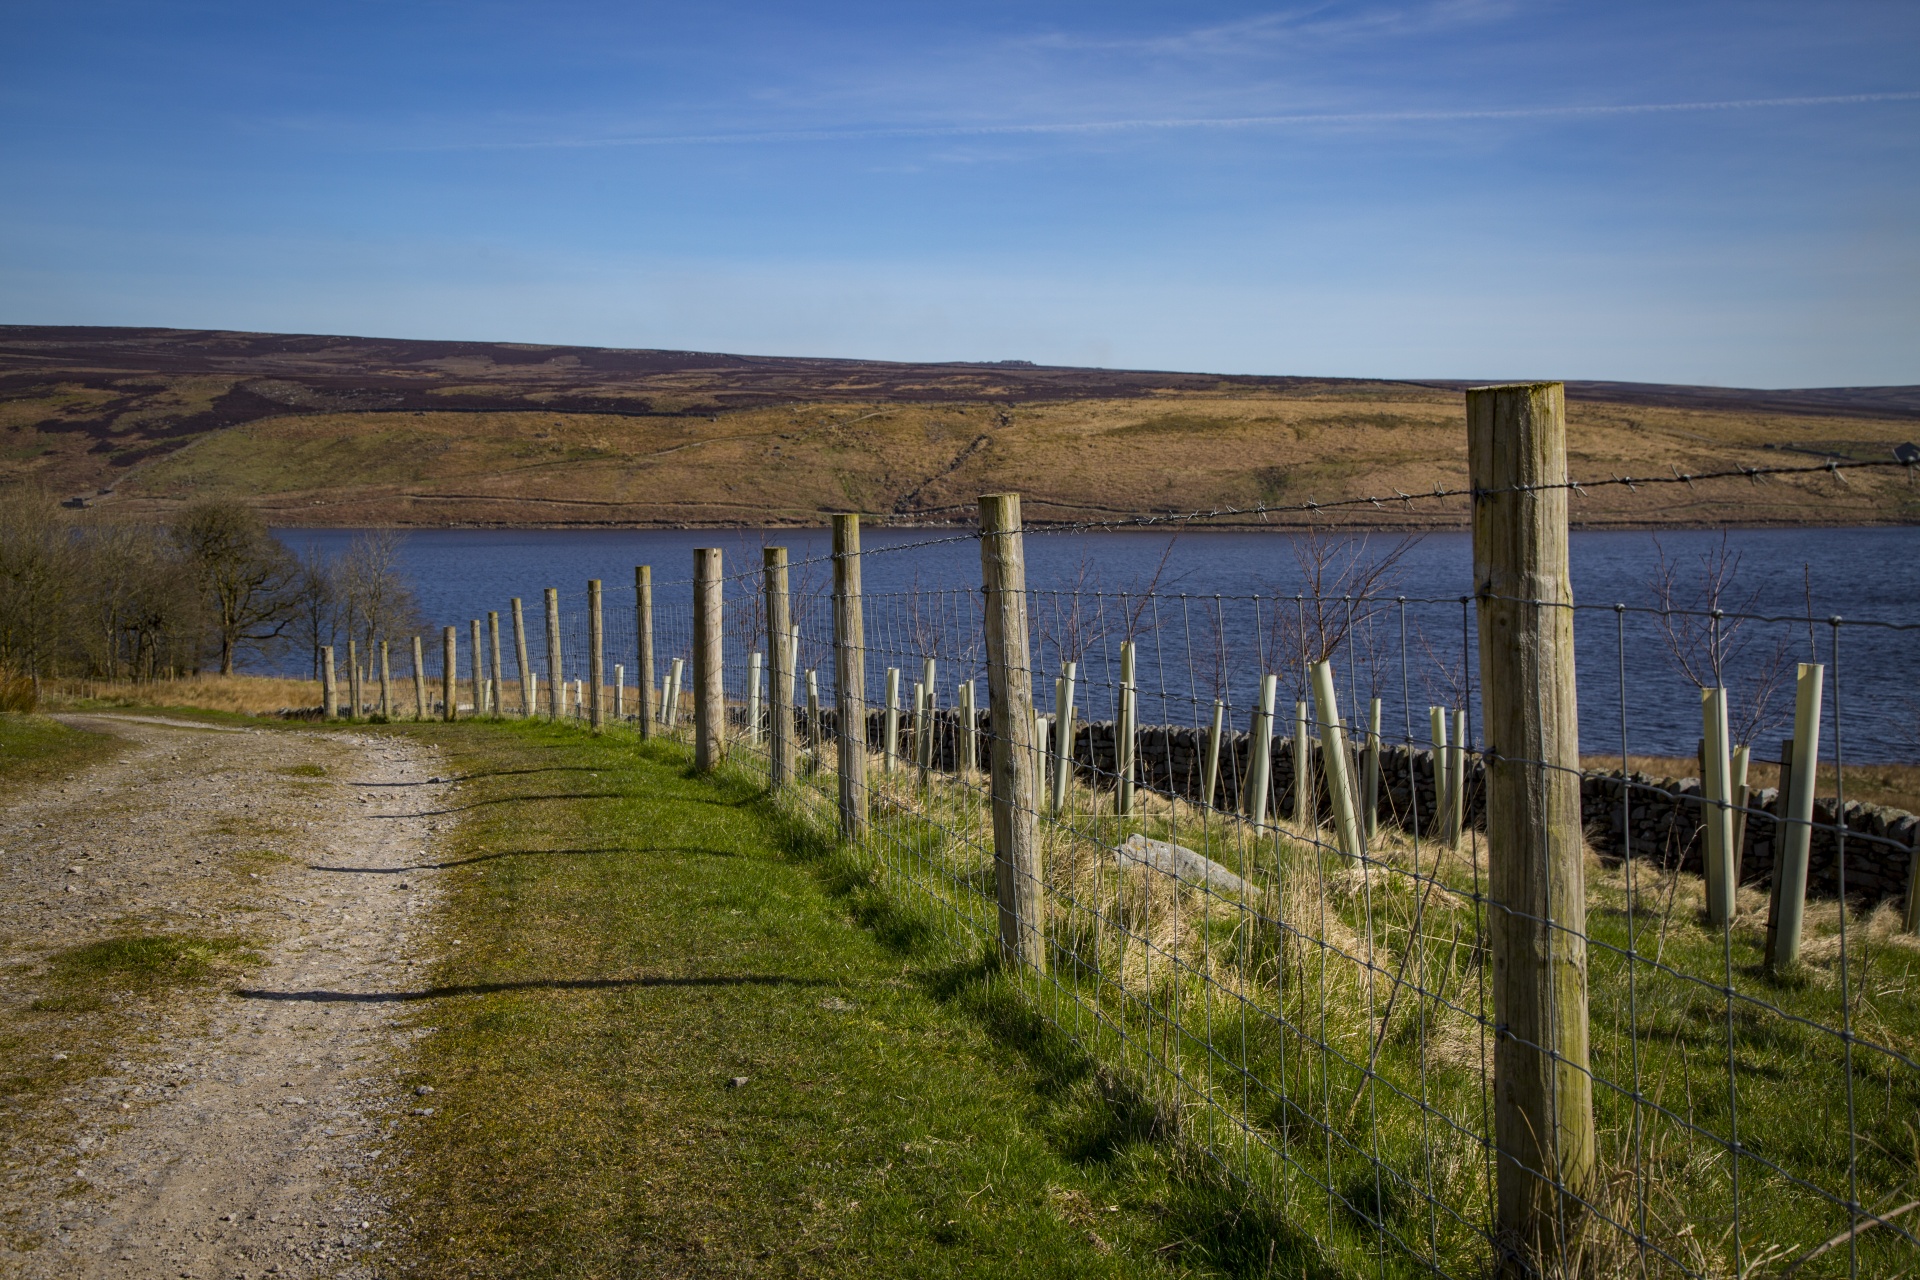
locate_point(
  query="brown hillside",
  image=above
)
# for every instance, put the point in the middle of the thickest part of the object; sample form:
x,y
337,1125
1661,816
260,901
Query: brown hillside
x,y
320,430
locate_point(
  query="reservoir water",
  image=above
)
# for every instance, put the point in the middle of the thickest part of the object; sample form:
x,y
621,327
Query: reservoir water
x,y
1225,608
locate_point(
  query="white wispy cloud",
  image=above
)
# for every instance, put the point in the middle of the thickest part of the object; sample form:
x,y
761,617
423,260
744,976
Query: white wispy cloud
x,y
1299,119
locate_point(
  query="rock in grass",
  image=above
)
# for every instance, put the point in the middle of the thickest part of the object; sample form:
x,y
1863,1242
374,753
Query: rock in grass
x,y
737,1082
1180,861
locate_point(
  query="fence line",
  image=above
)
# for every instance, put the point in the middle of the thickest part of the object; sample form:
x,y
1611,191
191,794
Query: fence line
x,y
1360,955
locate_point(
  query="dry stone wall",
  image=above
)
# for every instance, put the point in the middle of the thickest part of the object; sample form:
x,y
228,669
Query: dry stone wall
x,y
1663,815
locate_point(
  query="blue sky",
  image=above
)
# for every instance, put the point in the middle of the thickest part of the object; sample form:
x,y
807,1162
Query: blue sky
x,y
1712,193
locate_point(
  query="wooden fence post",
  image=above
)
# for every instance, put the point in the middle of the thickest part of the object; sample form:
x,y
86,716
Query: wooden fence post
x,y
523,667
1016,847
1125,730
643,642
620,692
329,689
1794,844
386,684
1537,899
498,700
476,676
596,658
709,693
556,674
850,675
449,674
353,678
419,680
779,611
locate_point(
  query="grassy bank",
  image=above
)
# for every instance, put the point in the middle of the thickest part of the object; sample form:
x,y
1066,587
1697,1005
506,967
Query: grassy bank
x,y
35,749
633,942
1328,1033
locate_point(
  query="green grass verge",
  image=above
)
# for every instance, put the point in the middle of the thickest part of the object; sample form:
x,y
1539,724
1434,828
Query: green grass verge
x,y
633,939
35,749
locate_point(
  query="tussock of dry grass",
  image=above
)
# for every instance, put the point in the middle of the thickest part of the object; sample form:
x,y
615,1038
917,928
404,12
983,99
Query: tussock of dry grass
x,y
240,695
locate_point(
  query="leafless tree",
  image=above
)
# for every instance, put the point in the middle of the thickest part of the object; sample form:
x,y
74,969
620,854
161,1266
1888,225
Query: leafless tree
x,y
316,605
1703,619
376,599
244,574
1344,587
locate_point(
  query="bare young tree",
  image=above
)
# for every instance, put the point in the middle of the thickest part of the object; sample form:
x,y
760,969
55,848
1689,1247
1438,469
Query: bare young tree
x,y
244,575
375,596
316,605
1343,589
1702,619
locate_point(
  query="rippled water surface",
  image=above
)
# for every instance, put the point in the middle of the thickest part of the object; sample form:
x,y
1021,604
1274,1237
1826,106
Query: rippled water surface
x,y
1222,602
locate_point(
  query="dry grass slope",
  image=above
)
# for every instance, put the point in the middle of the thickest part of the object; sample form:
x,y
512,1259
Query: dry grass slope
x,y
1074,460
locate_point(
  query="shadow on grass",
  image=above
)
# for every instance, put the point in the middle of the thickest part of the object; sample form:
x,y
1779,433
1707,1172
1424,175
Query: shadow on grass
x,y
532,984
699,851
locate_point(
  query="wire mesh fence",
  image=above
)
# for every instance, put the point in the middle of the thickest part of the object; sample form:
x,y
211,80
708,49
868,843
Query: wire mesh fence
x,y
1259,857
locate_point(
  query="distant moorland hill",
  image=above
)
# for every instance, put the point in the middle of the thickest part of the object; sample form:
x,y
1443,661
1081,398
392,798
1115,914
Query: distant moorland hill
x,y
319,430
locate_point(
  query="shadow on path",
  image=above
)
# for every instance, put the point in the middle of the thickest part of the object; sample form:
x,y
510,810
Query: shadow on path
x,y
534,984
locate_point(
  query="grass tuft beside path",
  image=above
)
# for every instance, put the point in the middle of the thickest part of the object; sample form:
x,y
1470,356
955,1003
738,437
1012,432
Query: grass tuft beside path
x,y
633,943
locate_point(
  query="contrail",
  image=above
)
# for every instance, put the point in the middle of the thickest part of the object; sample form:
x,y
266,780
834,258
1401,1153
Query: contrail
x,y
1208,122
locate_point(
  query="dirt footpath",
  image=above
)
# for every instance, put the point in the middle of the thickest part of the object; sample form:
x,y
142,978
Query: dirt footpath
x,y
241,1133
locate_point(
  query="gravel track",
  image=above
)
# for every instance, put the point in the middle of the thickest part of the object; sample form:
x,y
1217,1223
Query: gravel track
x,y
242,1134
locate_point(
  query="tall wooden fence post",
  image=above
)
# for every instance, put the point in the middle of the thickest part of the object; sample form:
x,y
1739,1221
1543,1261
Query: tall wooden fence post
x,y
386,683
353,678
1016,845
850,675
779,610
449,673
1542,1088
329,687
499,698
643,642
1126,732
709,693
596,658
477,677
556,674
520,657
419,680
